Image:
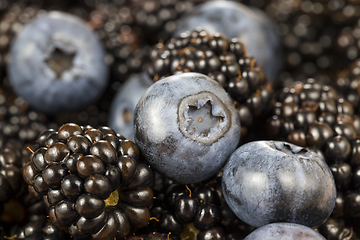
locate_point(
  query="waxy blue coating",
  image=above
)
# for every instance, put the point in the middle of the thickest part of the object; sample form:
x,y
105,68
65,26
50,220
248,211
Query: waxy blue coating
x,y
125,100
235,20
284,231
273,181
35,81
165,146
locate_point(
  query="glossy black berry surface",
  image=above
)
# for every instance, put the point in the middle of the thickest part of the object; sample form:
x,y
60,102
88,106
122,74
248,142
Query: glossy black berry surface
x,y
92,182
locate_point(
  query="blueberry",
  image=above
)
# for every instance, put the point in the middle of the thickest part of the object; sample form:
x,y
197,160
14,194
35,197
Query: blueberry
x,y
284,231
235,20
186,127
273,181
121,115
58,64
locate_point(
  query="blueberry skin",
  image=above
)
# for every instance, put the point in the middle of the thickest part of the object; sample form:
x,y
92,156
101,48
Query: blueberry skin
x,y
122,110
284,231
273,181
235,20
34,80
186,127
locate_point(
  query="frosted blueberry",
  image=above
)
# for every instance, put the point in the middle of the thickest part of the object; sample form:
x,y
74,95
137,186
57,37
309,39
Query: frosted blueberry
x,y
284,231
58,64
235,20
273,181
186,127
121,114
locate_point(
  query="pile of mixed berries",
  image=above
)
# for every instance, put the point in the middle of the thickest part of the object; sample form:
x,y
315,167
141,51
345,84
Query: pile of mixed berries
x,y
180,119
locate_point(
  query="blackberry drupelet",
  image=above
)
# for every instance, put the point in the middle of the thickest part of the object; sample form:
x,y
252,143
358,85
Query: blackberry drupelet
x,y
92,182
224,60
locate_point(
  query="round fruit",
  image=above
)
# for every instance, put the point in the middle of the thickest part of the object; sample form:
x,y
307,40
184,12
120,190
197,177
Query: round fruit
x,y
61,67
186,127
273,181
121,115
284,231
235,20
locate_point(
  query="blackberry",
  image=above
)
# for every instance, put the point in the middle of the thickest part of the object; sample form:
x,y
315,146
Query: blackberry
x,y
41,229
19,126
195,211
224,60
92,181
315,116
16,205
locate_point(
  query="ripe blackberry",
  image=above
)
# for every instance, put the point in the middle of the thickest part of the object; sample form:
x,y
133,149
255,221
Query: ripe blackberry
x,y
222,59
313,115
195,211
16,205
19,126
41,229
91,181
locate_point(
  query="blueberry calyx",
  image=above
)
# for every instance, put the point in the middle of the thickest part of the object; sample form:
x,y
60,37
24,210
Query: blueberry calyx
x,y
203,117
60,61
289,149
